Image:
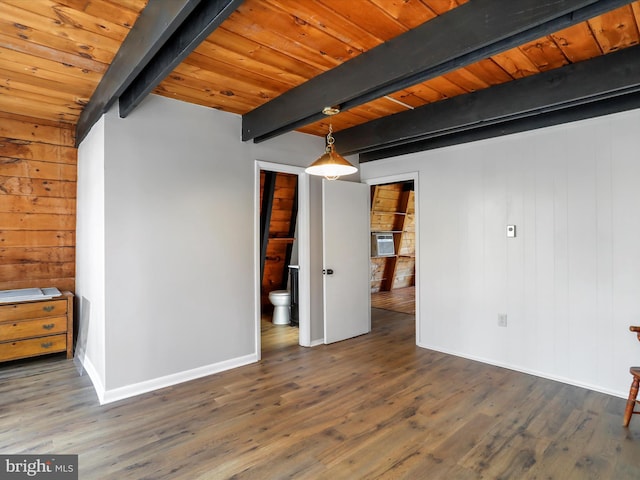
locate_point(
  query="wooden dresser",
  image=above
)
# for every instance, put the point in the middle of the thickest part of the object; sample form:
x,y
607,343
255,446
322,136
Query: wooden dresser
x,y
36,327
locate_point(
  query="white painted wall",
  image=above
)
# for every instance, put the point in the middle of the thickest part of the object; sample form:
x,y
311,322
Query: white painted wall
x,y
179,229
569,282
90,261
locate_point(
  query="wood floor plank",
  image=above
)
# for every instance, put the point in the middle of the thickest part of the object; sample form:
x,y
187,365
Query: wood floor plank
x,y
397,300
375,406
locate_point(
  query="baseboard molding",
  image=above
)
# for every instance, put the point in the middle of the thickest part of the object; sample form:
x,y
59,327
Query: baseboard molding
x,y
315,343
568,381
86,365
128,391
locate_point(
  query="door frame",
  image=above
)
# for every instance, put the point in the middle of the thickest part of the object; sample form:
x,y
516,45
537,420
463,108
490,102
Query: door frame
x,y
304,251
403,177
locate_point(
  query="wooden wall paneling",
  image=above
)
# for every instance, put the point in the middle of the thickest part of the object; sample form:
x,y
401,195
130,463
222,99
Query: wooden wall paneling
x,y
293,221
37,204
389,273
21,128
19,167
279,232
404,272
267,182
12,148
45,238
38,187
393,211
377,273
272,280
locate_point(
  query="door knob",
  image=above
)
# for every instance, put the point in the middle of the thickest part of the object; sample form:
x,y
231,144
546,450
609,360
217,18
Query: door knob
x,y
327,271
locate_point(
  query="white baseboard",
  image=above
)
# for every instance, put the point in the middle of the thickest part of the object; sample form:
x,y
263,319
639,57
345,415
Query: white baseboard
x,y
568,381
96,380
120,393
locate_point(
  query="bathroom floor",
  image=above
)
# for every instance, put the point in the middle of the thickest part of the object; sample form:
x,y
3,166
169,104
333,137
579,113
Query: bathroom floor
x,y
276,337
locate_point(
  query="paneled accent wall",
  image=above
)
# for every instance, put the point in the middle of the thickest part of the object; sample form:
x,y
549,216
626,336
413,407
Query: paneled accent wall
x,y
37,204
568,283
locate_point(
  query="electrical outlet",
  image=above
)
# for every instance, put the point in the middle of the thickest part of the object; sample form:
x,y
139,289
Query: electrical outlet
x,y
502,319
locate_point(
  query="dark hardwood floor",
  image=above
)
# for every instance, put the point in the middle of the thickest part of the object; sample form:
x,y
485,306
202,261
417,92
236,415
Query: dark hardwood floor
x,y
372,407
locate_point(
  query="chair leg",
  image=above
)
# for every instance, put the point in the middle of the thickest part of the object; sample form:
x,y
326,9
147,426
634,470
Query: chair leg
x,y
631,402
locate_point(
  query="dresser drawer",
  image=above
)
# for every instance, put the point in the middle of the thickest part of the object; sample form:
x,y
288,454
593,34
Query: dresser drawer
x,y
32,328
32,346
20,311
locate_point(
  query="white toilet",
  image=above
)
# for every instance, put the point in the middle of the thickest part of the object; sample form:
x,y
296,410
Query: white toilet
x,y
281,301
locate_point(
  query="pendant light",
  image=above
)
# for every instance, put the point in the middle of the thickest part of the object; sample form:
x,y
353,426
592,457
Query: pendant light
x,y
330,165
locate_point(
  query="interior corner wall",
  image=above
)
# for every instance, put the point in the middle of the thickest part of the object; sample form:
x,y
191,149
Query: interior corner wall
x,y
569,281
90,260
179,242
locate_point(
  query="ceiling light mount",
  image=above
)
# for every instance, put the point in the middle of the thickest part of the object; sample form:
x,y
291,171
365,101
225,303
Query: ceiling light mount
x,y
331,110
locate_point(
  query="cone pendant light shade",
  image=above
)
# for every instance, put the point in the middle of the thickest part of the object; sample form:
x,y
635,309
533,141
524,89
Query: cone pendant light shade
x,y
330,165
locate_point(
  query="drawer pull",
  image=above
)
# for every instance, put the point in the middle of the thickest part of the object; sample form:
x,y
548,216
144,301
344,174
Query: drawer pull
x,y
46,344
48,308
48,326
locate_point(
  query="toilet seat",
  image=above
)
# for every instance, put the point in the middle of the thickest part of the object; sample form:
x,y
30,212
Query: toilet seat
x,y
279,293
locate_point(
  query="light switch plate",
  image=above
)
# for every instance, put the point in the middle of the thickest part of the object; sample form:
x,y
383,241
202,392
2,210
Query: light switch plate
x,y
511,231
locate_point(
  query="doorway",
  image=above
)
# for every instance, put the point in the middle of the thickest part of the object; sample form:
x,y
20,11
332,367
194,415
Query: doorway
x,y
394,244
278,259
288,235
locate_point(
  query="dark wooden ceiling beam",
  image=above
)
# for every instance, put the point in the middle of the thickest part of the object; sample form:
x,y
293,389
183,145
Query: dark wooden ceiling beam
x,y
597,108
464,35
156,23
601,78
204,19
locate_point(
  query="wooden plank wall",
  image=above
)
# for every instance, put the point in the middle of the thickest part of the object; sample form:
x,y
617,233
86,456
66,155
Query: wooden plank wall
x,y
275,272
38,171
393,211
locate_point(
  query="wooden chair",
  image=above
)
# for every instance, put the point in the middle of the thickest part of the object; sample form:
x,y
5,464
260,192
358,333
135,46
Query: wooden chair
x,y
633,393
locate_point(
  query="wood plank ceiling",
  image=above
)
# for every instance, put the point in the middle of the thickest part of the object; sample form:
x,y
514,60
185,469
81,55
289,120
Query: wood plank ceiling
x,y
54,53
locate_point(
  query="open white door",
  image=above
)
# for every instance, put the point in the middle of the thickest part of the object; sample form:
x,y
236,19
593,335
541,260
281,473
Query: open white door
x,y
345,221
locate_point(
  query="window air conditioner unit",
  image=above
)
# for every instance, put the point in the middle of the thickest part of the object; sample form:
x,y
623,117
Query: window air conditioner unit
x,y
382,245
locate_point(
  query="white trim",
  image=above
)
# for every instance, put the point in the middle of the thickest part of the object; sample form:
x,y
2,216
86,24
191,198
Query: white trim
x,y
304,249
403,177
88,367
132,390
515,368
